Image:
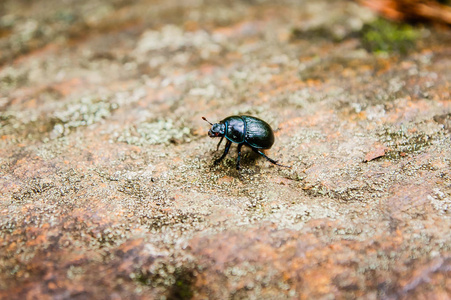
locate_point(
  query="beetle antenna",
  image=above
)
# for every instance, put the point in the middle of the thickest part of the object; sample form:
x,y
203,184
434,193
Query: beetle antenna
x,y
207,120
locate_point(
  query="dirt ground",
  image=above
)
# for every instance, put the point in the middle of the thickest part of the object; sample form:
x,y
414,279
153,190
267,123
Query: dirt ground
x,y
107,183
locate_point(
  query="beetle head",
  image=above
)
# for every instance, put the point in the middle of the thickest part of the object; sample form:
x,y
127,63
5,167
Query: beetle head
x,y
216,130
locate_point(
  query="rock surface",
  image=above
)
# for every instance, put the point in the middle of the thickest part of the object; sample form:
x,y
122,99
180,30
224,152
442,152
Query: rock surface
x,y
107,185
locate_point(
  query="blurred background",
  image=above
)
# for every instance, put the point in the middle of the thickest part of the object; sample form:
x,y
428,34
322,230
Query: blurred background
x,y
107,183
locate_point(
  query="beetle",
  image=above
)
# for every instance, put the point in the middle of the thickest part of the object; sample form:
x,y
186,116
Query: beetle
x,y
243,130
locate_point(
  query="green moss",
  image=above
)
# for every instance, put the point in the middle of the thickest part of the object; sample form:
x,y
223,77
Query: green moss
x,y
142,278
383,36
179,284
400,143
182,289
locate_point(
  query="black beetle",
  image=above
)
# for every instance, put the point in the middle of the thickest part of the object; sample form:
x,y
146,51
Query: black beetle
x,y
243,130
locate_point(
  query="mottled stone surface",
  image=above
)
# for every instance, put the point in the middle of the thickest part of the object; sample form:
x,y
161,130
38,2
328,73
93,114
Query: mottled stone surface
x,y
107,185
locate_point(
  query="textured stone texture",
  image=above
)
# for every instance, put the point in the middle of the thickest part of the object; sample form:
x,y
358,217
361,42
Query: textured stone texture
x,y
107,185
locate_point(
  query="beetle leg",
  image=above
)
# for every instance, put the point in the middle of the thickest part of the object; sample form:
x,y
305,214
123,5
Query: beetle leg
x,y
217,148
226,150
269,159
239,157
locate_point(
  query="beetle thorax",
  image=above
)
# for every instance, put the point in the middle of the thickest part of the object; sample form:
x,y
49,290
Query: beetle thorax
x,y
217,130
